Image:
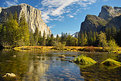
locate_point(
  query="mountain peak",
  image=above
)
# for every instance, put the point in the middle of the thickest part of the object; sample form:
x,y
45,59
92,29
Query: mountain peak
x,y
32,16
108,12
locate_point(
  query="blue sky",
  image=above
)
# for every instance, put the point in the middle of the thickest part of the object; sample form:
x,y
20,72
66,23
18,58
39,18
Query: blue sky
x,y
64,15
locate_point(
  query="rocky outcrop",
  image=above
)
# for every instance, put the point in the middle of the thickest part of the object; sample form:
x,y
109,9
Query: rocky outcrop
x,y
93,23
115,22
107,12
108,17
32,15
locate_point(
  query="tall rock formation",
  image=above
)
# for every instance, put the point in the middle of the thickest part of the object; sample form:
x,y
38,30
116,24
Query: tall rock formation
x,y
107,12
108,17
32,15
93,23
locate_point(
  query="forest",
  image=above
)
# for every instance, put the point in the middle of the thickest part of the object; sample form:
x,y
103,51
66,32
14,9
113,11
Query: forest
x,y
15,32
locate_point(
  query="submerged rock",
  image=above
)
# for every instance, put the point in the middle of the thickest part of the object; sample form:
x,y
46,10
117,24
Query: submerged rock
x,y
62,56
83,60
111,62
9,75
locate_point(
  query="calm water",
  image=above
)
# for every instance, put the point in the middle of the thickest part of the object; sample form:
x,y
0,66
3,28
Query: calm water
x,y
49,67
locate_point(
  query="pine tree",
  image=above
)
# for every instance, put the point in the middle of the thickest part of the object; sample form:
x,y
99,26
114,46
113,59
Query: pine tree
x,y
113,32
108,33
68,40
74,41
36,36
63,38
15,16
32,42
79,39
82,39
10,16
24,30
40,39
102,40
11,31
44,39
57,38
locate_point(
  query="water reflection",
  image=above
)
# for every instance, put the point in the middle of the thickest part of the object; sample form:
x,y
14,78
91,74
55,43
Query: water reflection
x,y
49,67
96,73
38,67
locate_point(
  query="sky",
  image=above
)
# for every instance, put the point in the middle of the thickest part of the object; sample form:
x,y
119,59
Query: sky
x,y
64,15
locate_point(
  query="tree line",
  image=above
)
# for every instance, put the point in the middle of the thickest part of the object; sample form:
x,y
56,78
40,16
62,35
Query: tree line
x,y
15,32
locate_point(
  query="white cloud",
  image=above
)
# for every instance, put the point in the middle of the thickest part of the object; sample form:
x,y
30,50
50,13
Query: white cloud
x,y
71,16
57,8
11,3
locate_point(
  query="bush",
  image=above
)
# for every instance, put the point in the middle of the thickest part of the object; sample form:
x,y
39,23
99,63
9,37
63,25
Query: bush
x,y
83,60
112,46
59,46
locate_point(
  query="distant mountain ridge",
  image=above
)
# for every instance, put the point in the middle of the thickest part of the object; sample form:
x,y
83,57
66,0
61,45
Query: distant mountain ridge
x,y
32,15
108,17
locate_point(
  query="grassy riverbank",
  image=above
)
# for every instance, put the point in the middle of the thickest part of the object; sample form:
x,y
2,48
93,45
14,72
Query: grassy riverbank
x,y
66,48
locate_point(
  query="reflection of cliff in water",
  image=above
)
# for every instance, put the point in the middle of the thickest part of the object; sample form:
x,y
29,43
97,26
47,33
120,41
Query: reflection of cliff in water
x,y
27,66
37,68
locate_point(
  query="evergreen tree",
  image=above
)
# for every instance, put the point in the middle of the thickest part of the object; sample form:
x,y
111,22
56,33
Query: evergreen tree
x,y
57,38
102,40
83,42
51,40
79,39
36,36
40,39
108,33
44,39
74,41
24,30
15,16
69,41
118,37
113,32
32,42
11,31
10,16
63,38
90,38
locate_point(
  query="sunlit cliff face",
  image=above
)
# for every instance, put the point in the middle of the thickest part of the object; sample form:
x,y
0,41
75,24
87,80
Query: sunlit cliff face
x,y
32,16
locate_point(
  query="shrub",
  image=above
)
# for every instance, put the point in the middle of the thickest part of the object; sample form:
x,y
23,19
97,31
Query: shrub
x,y
112,46
59,46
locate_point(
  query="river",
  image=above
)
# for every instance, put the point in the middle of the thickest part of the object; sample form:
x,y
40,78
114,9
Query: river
x,y
32,66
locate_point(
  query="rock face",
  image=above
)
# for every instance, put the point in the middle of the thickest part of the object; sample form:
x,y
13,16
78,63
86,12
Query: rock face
x,y
107,12
115,22
75,34
93,23
108,17
32,15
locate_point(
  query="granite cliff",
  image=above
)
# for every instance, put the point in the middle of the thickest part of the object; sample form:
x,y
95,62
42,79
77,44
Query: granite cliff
x,y
108,12
32,15
108,17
